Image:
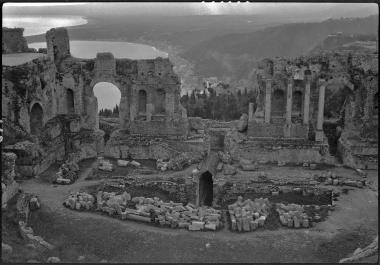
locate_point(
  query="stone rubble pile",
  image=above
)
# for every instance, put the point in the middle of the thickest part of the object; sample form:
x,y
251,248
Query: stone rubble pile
x,y
331,178
149,210
179,162
104,165
162,165
67,173
293,215
80,201
248,215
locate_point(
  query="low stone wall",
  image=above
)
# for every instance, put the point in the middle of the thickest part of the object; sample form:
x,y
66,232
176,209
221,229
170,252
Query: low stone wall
x,y
123,145
256,129
159,128
275,150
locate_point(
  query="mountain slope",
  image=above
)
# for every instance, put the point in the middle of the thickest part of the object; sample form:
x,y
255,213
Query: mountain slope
x,y
287,40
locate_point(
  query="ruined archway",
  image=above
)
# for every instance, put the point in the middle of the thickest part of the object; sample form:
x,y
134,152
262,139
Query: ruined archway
x,y
278,103
160,101
142,102
70,101
108,97
206,193
36,119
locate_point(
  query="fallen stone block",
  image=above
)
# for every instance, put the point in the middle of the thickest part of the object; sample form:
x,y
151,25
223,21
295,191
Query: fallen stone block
x,y
290,223
122,163
183,225
53,260
135,163
62,181
196,225
246,225
139,218
261,220
296,222
210,226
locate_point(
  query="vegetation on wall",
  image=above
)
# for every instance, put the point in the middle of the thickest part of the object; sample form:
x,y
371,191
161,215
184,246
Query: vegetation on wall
x,y
224,107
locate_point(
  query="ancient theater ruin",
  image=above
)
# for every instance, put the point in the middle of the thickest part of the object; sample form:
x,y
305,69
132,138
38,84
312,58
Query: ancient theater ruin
x,y
271,168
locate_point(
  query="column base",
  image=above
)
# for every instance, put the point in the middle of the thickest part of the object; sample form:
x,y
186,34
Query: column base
x,y
319,136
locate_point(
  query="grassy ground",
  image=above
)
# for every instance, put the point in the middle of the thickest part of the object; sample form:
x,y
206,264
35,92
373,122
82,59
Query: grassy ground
x,y
353,224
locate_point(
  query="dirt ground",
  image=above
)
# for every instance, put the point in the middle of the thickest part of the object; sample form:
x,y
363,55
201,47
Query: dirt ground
x,y
353,224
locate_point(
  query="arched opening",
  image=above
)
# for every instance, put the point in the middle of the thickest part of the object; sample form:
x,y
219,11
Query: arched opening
x,y
70,101
36,119
142,102
205,189
160,101
278,103
297,102
108,96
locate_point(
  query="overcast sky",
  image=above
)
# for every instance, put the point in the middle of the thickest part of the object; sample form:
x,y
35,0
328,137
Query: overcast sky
x,y
198,8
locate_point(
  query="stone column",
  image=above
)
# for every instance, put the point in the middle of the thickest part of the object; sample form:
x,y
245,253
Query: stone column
x,y
268,94
149,111
250,111
306,105
123,112
289,97
321,106
133,106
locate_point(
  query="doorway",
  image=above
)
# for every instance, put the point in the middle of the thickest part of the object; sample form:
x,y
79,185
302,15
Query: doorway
x,y
206,193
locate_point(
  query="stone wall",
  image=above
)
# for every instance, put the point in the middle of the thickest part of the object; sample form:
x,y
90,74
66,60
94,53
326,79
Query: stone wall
x,y
160,128
26,85
256,129
275,150
13,40
9,186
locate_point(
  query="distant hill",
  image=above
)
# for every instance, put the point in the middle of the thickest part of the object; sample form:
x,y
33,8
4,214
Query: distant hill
x,y
338,42
214,57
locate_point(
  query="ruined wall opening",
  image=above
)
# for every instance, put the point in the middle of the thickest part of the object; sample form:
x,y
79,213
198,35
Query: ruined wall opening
x,y
36,119
278,103
297,103
108,96
205,189
142,102
70,101
160,101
